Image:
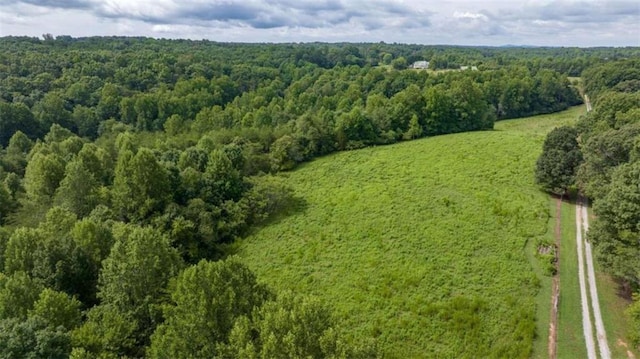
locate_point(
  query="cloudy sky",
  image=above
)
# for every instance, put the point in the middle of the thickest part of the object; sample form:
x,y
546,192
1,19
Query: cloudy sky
x,y
459,22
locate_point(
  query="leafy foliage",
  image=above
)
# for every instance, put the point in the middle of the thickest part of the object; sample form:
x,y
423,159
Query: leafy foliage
x,y
209,297
608,138
125,160
557,165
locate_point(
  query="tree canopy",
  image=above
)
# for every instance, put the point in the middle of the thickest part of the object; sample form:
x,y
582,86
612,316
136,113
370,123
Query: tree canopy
x,y
129,166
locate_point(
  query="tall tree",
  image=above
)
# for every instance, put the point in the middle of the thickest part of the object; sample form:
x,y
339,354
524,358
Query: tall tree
x,y
140,186
616,231
42,176
557,165
17,117
78,190
291,326
208,298
18,293
132,287
33,338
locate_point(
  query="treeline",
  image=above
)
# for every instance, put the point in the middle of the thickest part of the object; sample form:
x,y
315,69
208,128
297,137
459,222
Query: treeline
x,y
129,167
82,84
116,251
601,158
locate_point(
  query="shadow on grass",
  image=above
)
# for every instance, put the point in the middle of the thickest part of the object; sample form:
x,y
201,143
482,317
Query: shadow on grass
x,y
568,199
292,205
289,206
623,289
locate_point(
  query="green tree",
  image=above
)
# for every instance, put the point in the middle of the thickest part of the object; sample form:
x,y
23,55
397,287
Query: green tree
x,y
400,63
21,249
136,271
439,111
97,161
52,110
633,313
57,309
33,338
603,152
140,186
175,125
472,111
14,118
18,293
42,176
557,165
354,130
284,153
109,104
133,282
292,326
4,238
387,58
51,257
7,203
616,231
15,158
414,130
404,105
107,333
86,121
57,134
207,299
78,190
94,238
221,180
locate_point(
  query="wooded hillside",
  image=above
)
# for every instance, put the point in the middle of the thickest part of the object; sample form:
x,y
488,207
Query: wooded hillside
x,y
129,166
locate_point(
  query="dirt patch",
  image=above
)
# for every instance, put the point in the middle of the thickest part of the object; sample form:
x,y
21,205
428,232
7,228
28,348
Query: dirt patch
x,y
555,287
624,289
553,323
546,250
630,354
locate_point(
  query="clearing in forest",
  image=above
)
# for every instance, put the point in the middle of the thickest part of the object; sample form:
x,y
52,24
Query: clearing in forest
x,y
422,244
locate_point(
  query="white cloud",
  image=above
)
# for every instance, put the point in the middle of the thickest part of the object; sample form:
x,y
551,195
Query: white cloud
x,y
469,15
465,22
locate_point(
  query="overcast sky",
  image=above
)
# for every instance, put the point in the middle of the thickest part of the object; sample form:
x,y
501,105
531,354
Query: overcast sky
x,y
458,22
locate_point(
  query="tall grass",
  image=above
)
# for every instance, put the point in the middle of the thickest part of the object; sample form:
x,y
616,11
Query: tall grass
x,y
420,244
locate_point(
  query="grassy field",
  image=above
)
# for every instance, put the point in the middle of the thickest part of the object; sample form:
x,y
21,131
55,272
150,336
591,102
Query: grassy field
x,y
615,322
423,244
538,127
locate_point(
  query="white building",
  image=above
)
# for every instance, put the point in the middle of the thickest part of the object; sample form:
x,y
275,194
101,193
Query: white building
x,y
420,65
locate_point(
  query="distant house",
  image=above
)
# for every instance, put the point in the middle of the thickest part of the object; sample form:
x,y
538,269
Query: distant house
x,y
420,65
473,68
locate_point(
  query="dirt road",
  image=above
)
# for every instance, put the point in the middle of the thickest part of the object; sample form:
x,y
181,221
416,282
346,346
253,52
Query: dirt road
x,y
587,103
582,226
587,327
601,334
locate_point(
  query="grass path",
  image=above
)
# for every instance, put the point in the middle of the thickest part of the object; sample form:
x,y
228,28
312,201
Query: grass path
x,y
571,344
555,283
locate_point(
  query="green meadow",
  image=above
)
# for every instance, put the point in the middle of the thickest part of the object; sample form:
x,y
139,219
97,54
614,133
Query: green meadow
x,y
427,246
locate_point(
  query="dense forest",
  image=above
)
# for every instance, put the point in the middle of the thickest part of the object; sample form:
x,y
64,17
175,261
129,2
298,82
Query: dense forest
x,y
130,165
600,157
